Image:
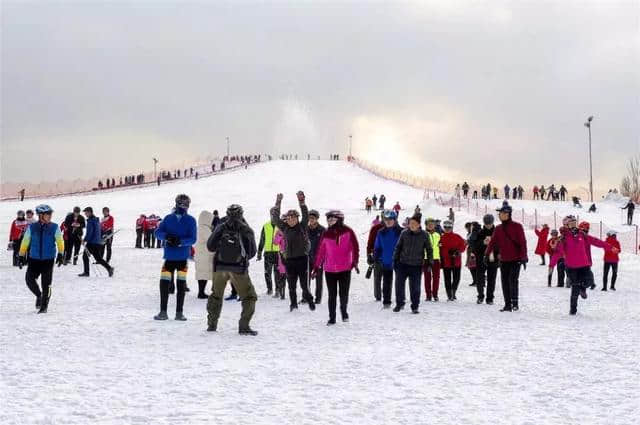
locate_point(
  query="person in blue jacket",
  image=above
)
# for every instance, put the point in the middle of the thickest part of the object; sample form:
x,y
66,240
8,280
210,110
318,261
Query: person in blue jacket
x,y
178,231
93,244
41,240
383,252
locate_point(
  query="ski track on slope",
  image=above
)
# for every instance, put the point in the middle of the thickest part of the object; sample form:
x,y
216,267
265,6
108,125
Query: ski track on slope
x,y
98,356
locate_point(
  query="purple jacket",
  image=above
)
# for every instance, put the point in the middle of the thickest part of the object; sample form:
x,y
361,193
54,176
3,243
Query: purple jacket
x,y
338,250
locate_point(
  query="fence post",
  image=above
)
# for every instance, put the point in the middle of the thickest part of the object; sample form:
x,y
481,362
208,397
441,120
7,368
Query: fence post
x,y
535,217
523,223
600,229
555,222
485,208
636,248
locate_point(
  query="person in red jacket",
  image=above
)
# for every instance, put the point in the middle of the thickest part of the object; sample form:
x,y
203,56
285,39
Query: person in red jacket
x,y
140,230
452,245
397,208
18,227
377,266
509,240
552,243
541,247
106,228
611,260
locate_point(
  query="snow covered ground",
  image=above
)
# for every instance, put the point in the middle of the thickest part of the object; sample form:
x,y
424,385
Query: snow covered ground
x,y
98,357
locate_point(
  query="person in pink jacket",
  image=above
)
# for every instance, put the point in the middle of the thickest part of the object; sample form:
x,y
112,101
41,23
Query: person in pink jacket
x,y
573,245
543,236
337,254
280,240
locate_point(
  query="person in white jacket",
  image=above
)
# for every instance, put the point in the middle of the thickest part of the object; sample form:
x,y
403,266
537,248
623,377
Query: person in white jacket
x,y
203,258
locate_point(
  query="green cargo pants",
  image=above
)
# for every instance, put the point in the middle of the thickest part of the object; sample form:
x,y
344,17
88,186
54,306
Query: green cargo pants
x,y
246,291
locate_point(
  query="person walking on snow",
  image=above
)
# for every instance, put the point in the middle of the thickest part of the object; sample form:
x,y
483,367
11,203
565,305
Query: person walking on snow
x,y
452,245
432,271
541,246
375,201
40,241
371,260
18,227
611,260
271,251
106,229
203,258
509,240
485,272
76,224
551,248
385,240
412,251
93,244
140,229
338,254
233,244
296,255
381,202
178,231
316,230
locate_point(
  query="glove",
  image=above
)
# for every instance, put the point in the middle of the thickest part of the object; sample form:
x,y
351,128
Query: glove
x,y
173,241
279,197
357,269
22,260
59,259
524,264
259,256
370,259
300,196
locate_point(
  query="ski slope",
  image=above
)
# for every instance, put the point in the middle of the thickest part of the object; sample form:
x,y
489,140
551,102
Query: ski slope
x,y
98,357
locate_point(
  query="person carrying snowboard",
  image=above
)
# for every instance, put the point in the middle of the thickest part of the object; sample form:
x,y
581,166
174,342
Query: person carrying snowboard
x,y
178,231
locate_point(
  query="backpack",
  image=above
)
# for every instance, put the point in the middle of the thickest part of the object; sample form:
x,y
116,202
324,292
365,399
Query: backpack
x,y
231,249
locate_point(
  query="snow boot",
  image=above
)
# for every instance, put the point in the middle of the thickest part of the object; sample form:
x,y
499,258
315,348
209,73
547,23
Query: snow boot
x,y
583,293
397,308
83,275
415,311
180,316
428,298
247,331
604,289
211,328
506,309
386,306
38,301
161,316
435,299
293,307
613,288
269,291
549,281
480,300
110,271
331,322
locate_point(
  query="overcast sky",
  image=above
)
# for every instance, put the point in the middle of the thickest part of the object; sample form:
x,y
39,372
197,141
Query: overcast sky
x,y
494,91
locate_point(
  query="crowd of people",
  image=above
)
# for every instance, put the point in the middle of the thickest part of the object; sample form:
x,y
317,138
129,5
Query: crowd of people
x,y
511,192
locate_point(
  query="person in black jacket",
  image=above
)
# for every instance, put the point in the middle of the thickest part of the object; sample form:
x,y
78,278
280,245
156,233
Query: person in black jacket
x,y
412,251
486,271
296,255
233,244
630,207
316,230
75,224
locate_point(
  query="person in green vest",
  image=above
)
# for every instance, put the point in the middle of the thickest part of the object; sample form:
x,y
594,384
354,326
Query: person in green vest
x,y
271,252
432,271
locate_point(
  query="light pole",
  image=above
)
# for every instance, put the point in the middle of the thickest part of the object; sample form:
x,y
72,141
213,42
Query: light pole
x,y
350,145
155,163
227,148
588,125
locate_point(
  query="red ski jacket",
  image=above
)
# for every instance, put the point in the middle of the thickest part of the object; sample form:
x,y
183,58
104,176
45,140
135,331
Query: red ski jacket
x,y
452,245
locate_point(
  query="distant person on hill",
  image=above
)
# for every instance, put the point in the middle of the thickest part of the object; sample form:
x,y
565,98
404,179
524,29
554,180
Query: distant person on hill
x,y
630,207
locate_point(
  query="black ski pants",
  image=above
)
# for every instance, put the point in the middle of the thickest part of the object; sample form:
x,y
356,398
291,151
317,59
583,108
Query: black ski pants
x,y
44,270
338,283
510,275
298,270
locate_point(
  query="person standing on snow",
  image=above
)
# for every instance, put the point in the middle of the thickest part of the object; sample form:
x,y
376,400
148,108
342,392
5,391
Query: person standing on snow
x,y
93,244
18,227
412,251
271,252
541,247
296,255
397,207
75,223
140,229
611,261
573,246
432,271
371,261
384,245
485,272
316,230
178,231
338,253
40,240
509,240
233,244
203,258
375,201
630,207
215,221
106,229
381,202
452,245
551,248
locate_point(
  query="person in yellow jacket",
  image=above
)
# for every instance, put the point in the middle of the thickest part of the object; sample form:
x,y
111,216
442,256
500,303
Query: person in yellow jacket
x,y
271,252
432,271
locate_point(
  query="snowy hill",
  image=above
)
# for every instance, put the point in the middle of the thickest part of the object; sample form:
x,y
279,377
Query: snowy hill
x,y
98,357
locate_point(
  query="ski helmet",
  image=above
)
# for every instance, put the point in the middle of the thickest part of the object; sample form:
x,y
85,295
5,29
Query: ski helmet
x,y
568,219
389,215
506,208
43,209
488,219
584,226
612,233
335,214
314,213
183,201
447,224
234,211
554,232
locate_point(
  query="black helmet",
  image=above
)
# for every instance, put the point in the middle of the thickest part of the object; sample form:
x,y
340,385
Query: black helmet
x,y
20,213
314,213
488,219
234,211
183,201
